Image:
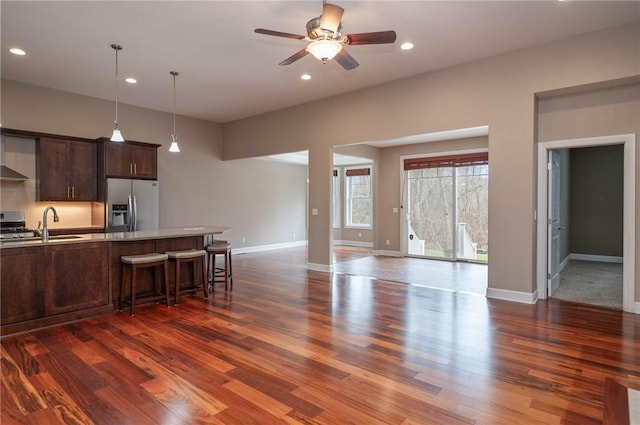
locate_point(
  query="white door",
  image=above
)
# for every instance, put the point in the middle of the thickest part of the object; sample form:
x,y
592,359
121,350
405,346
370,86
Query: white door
x,y
553,251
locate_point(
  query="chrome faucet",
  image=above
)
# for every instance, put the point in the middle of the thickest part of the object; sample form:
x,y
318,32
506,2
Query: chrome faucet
x,y
45,230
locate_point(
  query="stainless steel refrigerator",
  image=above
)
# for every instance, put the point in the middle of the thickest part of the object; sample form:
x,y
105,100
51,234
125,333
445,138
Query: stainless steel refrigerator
x,y
132,205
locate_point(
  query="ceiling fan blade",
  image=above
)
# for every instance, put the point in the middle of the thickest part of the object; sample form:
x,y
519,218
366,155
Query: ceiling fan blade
x,y
291,59
279,34
346,60
380,37
331,17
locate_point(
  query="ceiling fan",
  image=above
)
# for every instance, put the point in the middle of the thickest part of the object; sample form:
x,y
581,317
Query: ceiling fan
x,y
326,40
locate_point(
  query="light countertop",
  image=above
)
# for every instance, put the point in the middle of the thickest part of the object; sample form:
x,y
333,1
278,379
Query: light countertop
x,y
177,232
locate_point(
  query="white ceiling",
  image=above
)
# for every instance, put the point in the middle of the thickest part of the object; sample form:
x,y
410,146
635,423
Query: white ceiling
x,y
229,72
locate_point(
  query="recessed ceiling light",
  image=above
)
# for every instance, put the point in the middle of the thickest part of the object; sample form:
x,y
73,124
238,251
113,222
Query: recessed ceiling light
x,y
407,45
17,51
305,77
131,80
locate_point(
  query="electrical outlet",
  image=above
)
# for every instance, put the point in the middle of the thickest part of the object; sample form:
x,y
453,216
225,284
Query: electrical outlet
x,y
359,234
294,235
387,242
244,239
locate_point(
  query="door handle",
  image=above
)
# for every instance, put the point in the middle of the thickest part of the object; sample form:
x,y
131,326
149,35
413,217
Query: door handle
x,y
561,228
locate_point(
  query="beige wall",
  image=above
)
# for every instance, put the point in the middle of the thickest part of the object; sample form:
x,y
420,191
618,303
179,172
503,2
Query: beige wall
x,y
498,92
263,201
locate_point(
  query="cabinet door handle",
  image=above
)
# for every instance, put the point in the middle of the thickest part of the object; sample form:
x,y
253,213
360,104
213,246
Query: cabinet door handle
x,y
73,192
68,192
131,168
135,168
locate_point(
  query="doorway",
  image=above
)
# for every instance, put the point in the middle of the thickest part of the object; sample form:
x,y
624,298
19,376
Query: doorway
x,y
548,225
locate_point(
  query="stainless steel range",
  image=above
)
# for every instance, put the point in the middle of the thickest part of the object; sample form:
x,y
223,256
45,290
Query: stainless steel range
x,y
12,226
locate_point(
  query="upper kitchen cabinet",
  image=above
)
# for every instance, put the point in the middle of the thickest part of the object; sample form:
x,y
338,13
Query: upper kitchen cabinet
x,y
131,160
67,170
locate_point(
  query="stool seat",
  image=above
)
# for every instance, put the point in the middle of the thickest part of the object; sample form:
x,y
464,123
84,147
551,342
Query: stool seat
x,y
219,246
143,258
192,256
191,253
133,263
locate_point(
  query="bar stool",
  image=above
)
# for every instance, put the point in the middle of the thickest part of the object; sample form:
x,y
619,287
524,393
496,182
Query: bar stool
x,y
135,262
193,256
220,274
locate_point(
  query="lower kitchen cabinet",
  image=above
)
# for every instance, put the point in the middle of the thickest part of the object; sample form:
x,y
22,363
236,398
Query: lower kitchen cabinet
x,y
76,277
21,293
57,283
47,285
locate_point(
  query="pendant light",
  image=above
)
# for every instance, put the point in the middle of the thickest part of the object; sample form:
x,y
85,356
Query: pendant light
x,y
116,136
174,137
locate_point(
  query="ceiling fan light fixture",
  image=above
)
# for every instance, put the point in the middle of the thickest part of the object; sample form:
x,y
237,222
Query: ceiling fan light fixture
x,y
324,50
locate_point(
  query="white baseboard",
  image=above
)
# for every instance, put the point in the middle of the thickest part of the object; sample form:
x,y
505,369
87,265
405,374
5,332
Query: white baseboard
x,y
353,243
327,268
564,263
515,296
599,258
267,247
387,253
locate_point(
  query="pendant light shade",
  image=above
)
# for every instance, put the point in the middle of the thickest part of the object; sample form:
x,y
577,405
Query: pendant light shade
x,y
116,136
174,137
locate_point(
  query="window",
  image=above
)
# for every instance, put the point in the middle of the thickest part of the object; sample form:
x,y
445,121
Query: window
x,y
358,209
336,199
448,206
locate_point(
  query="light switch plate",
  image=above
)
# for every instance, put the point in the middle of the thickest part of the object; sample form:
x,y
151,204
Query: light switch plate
x,y
314,211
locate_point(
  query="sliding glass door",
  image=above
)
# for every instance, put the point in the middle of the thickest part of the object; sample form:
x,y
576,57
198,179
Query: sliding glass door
x,y
447,207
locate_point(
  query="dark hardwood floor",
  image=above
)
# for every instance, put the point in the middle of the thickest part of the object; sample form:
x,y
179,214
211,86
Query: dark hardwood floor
x,y
292,346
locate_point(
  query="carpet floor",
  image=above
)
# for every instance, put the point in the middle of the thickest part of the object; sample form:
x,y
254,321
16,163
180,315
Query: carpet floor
x,y
590,282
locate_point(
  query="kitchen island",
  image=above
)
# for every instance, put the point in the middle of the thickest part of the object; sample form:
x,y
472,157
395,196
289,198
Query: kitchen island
x,y
73,277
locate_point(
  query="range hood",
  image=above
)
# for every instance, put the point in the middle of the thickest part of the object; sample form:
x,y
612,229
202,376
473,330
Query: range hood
x,y
8,174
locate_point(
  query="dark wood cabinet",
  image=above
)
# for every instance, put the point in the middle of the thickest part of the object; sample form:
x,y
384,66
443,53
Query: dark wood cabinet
x,y
51,284
21,293
131,160
67,170
55,283
76,277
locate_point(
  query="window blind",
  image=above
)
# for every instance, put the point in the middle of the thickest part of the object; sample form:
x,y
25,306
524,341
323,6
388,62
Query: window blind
x,y
358,172
464,160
